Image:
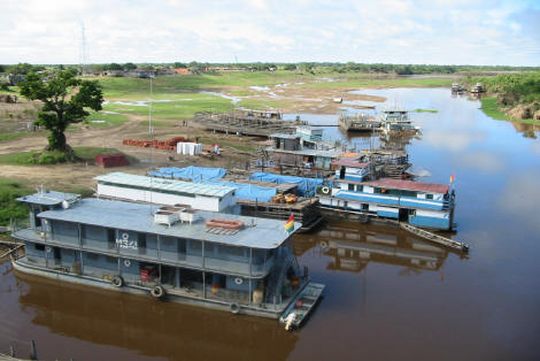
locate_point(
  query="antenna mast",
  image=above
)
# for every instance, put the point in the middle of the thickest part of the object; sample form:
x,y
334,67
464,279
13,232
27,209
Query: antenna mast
x,y
83,52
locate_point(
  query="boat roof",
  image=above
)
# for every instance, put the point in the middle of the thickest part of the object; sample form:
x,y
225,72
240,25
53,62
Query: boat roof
x,y
48,198
284,136
408,185
349,162
308,152
260,233
126,179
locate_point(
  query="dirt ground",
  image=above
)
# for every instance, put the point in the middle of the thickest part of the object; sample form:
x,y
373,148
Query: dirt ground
x,y
236,151
73,176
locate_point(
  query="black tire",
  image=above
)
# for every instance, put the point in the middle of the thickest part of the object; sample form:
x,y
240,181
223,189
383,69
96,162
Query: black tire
x,y
157,292
117,281
235,308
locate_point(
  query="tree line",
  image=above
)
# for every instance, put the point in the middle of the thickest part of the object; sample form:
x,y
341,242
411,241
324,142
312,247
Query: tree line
x,y
304,67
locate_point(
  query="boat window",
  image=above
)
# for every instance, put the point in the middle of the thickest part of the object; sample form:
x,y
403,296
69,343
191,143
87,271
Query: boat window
x,y
351,187
429,196
39,247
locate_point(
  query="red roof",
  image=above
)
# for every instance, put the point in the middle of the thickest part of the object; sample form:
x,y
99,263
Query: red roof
x,y
408,185
348,162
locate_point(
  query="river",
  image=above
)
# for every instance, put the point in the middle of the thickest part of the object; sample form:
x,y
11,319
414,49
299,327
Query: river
x,y
389,296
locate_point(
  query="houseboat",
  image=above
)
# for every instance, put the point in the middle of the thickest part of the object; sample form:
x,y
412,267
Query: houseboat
x,y
397,121
244,265
359,123
302,153
420,204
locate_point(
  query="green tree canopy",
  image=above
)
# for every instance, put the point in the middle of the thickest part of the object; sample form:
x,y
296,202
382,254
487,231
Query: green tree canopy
x,y
130,66
65,98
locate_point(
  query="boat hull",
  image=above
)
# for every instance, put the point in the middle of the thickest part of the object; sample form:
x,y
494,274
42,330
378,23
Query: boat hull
x,y
22,267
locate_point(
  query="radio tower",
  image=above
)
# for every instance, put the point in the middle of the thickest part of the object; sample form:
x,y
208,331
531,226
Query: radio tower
x,y
83,54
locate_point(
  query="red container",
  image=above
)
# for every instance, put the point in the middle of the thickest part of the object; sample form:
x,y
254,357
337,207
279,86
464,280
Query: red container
x,y
111,160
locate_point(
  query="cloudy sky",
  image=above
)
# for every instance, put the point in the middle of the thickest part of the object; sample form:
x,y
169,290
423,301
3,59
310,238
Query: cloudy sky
x,y
388,31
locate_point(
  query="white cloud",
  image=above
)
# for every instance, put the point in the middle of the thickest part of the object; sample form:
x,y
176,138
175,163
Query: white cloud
x,y
443,31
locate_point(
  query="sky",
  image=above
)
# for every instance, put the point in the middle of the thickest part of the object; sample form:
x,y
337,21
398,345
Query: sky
x,y
473,32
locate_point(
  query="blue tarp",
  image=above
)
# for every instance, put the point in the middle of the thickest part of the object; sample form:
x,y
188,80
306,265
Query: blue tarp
x,y
249,192
307,187
195,174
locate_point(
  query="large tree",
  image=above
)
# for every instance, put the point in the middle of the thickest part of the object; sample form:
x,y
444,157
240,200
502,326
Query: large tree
x,y
66,100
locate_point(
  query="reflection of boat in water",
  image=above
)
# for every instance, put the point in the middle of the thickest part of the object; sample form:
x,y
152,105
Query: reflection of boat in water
x,y
351,249
166,330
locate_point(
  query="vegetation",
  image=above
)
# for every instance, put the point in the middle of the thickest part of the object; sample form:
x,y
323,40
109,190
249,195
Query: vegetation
x,y
492,109
53,157
420,110
65,100
9,207
512,96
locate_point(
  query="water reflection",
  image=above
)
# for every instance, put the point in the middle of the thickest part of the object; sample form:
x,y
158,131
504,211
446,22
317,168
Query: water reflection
x,y
152,328
351,248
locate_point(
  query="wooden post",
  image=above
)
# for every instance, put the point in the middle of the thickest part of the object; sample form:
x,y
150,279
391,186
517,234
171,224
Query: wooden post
x,y
33,352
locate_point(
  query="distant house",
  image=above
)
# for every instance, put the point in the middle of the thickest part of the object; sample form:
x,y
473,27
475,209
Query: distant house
x,y
113,73
182,71
15,79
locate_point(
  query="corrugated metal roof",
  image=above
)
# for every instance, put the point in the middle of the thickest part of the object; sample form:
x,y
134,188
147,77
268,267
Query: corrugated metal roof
x,y
407,185
48,198
265,233
348,162
127,179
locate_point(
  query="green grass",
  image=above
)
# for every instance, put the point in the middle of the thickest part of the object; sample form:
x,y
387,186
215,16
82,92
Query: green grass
x,y
420,110
102,119
87,154
6,137
181,97
9,207
358,81
492,109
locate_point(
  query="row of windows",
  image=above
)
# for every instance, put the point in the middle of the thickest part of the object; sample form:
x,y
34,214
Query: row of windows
x,y
146,240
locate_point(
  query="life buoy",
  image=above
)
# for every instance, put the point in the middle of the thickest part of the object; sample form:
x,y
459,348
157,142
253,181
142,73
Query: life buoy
x,y
48,249
127,263
325,190
238,280
235,308
157,292
323,244
117,281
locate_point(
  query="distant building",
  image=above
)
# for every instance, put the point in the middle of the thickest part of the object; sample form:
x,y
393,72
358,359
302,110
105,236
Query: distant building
x,y
182,71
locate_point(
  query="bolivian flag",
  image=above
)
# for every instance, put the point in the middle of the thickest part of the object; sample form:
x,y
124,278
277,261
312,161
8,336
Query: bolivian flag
x,y
289,225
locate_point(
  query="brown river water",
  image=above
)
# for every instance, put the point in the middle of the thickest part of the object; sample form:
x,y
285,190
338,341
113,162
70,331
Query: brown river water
x,y
389,296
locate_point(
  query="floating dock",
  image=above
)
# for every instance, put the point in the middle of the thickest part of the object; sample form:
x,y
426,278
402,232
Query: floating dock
x,y
242,123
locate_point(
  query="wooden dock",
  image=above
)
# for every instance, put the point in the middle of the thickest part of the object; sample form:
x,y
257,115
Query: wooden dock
x,y
245,125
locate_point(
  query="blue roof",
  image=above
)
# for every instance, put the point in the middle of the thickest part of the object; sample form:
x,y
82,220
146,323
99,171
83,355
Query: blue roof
x,y
192,173
306,186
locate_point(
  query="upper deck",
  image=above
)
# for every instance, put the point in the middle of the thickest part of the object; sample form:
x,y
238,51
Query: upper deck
x,y
258,233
